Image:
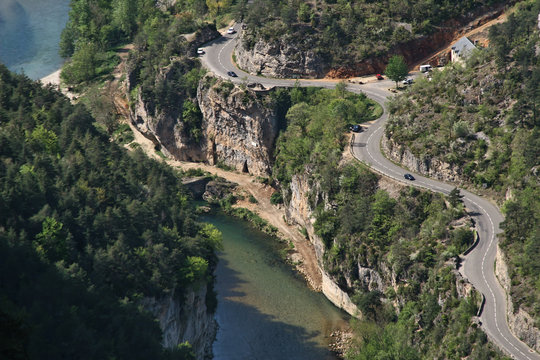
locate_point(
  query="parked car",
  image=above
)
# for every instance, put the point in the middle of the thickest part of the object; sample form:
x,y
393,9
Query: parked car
x,y
231,31
407,81
356,128
232,74
200,51
379,77
408,177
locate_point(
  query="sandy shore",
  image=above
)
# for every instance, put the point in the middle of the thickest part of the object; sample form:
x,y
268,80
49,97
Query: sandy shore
x,y
53,78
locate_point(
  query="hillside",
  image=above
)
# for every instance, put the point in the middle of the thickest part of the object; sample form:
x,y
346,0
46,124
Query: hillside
x,y
479,126
348,38
89,234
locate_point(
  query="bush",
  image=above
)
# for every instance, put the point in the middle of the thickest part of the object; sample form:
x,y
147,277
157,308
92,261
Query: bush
x,y
276,198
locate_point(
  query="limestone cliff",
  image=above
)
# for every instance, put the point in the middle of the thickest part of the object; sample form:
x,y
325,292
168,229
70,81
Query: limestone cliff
x,y
285,57
520,322
301,198
298,210
432,167
187,319
239,126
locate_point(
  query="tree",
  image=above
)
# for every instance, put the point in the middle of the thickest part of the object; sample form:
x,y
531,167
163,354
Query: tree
x,y
396,69
455,197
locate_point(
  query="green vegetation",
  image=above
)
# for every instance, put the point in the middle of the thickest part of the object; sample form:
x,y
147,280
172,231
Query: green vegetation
x,y
315,134
396,70
87,231
407,242
96,27
346,32
482,119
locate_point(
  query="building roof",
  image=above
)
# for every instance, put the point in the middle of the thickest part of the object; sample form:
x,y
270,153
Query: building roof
x,y
463,47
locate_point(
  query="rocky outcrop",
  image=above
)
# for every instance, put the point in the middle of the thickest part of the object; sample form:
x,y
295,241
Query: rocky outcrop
x,y
163,125
520,322
217,190
196,185
183,320
299,211
431,167
202,36
285,57
239,126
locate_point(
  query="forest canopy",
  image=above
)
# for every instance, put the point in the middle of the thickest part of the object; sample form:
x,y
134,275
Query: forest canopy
x,y
87,230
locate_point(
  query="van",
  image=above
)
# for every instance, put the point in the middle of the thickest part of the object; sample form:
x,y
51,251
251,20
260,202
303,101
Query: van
x,y
425,68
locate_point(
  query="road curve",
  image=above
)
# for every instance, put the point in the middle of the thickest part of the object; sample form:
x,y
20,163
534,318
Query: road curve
x,y
478,265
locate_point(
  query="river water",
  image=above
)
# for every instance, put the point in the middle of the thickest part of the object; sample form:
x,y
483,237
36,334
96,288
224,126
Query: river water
x,y
30,33
265,311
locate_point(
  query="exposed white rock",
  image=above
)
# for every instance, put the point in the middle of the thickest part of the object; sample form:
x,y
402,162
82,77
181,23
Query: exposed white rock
x,y
187,320
520,322
280,58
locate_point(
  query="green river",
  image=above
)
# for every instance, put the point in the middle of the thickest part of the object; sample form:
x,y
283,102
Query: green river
x,y
265,310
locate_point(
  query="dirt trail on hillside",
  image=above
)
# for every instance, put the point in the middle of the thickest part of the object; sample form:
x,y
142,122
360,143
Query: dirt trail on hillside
x,y
479,33
305,258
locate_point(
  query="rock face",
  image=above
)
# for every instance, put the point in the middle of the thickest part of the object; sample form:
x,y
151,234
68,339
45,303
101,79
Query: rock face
x,y
433,168
164,126
520,322
187,320
282,58
299,211
239,126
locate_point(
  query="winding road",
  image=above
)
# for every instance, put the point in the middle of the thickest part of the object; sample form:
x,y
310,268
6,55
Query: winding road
x,y
478,265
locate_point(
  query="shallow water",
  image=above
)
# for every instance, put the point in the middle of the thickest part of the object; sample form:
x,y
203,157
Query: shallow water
x,y
265,311
29,35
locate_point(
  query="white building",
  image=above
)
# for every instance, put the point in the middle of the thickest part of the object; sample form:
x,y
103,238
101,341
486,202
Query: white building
x,y
461,50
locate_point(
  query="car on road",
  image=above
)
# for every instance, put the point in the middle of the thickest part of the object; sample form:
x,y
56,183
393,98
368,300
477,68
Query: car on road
x,y
200,51
232,74
407,81
356,128
408,177
231,31
379,77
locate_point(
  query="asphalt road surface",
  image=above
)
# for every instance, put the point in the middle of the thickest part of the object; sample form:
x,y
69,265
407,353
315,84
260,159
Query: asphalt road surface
x,y
478,265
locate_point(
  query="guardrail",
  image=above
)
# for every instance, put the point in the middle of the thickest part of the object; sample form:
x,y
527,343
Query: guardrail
x,y
475,242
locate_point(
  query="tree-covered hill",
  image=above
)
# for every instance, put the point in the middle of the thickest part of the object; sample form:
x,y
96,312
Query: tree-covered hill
x,y
87,230
482,120
393,253
347,32
96,27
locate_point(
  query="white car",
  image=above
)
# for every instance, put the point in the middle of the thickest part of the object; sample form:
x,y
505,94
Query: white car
x,y
231,31
200,51
407,81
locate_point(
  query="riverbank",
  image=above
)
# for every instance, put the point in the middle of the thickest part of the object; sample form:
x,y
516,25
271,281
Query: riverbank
x,y
52,79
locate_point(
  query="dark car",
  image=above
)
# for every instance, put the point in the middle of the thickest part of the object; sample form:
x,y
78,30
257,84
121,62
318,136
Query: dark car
x,y
379,77
232,74
408,177
356,128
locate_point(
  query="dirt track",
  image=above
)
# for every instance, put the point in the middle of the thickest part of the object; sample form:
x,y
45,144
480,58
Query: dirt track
x,y
305,253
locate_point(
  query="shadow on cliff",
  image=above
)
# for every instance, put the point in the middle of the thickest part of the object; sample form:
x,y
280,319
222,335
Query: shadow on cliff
x,y
247,333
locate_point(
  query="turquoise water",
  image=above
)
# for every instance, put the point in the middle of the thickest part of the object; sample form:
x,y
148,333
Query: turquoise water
x,y
30,33
264,310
